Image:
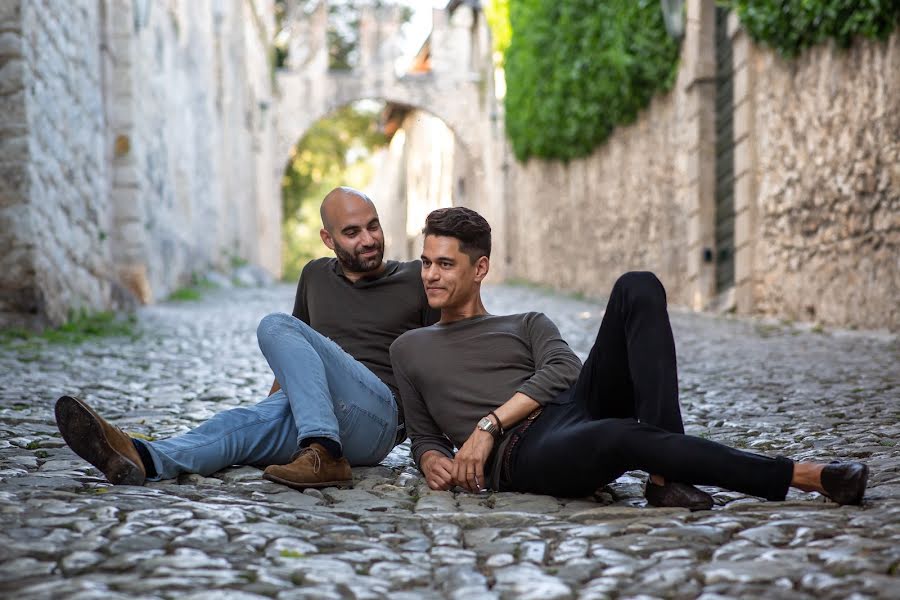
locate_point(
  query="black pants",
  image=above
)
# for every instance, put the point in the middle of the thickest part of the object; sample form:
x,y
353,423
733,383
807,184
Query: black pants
x,y
622,414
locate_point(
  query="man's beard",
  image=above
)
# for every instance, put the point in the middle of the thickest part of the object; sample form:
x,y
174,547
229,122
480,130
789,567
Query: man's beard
x,y
353,263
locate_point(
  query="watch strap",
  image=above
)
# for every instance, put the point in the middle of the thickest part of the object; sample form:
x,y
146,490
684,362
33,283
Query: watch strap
x,y
486,424
499,423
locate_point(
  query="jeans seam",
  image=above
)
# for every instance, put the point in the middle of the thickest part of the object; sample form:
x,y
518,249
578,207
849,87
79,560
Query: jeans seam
x,y
300,326
224,435
371,415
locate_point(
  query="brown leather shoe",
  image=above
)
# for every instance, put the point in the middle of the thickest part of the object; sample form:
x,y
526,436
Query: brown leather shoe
x,y
103,445
677,494
845,483
313,467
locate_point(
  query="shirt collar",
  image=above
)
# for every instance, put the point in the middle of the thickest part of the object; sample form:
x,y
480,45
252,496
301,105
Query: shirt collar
x,y
390,267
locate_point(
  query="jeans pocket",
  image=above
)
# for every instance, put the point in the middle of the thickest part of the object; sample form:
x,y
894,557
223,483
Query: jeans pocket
x,y
362,435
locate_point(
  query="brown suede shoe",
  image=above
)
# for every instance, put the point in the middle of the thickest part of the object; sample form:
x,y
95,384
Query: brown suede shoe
x,y
677,494
313,467
103,445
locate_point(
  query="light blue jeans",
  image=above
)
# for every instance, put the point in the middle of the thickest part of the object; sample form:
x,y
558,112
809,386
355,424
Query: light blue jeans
x,y
324,392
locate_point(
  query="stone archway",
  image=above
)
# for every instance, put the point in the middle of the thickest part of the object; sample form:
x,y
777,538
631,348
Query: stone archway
x,y
424,166
457,89
296,116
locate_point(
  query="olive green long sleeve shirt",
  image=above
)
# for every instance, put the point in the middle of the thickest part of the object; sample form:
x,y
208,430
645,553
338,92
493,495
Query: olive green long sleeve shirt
x,y
451,375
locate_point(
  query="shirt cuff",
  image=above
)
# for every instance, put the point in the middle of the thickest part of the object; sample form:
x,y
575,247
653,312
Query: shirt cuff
x,y
420,450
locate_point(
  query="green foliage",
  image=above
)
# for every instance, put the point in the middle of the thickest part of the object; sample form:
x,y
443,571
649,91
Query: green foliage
x,y
575,69
81,326
193,292
332,153
185,294
790,26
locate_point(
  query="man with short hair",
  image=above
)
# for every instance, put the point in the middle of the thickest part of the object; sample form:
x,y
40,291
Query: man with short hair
x,y
334,401
509,393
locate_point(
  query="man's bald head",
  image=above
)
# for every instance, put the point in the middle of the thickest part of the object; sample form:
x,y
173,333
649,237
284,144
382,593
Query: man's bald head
x,y
340,201
350,228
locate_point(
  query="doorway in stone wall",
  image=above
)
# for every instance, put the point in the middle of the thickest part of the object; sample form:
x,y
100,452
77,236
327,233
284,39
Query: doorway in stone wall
x,y
724,193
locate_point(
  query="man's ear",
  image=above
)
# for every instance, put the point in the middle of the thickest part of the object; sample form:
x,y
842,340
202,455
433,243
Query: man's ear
x,y
326,238
482,266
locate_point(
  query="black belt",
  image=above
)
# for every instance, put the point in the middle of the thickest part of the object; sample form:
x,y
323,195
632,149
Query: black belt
x,y
401,434
401,423
514,438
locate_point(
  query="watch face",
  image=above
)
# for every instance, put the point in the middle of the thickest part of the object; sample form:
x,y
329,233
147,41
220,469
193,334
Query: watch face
x,y
484,423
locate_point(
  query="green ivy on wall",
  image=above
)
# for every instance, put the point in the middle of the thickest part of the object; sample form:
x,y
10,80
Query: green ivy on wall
x,y
575,69
790,26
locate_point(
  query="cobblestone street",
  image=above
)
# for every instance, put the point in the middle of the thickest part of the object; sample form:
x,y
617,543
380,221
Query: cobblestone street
x,y
764,386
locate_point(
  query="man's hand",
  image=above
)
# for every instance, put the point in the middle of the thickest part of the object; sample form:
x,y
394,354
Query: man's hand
x,y
468,466
438,470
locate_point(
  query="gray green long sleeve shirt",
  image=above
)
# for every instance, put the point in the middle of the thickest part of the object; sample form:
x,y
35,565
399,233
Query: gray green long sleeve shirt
x,y
451,375
366,316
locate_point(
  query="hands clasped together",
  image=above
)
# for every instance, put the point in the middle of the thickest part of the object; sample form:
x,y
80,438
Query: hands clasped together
x,y
466,469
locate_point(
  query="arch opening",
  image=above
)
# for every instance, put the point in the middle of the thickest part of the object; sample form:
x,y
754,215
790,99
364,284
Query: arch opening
x,y
407,159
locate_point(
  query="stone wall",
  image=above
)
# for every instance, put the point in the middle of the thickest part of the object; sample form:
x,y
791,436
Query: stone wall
x,y
54,210
817,188
136,150
578,226
417,173
826,147
197,186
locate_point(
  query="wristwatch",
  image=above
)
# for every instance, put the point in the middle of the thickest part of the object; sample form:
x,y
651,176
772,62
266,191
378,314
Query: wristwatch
x,y
485,424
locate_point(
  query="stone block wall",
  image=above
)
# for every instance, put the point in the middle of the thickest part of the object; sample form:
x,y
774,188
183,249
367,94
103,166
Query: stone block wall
x,y
197,185
54,225
826,162
578,226
136,149
817,188
414,175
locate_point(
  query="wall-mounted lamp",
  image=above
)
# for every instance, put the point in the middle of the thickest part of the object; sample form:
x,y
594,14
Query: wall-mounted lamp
x,y
141,11
673,15
218,13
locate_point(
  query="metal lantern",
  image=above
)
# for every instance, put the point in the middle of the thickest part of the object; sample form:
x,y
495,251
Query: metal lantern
x,y
673,15
141,13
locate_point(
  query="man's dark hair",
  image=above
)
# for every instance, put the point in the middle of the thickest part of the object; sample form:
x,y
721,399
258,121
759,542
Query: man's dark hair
x,y
464,224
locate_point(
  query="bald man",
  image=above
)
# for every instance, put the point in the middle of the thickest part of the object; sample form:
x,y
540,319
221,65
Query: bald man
x,y
334,400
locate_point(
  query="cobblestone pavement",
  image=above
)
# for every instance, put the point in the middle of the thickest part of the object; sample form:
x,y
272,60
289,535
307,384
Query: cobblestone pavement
x,y
767,387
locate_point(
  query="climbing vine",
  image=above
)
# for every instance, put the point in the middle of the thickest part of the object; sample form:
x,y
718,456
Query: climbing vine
x,y
790,26
575,69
